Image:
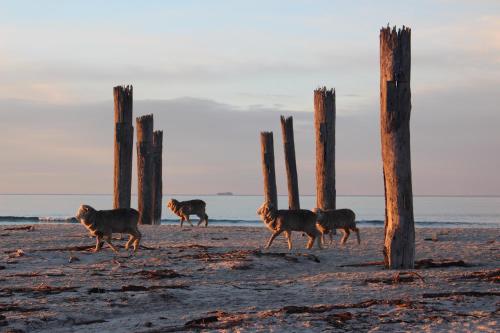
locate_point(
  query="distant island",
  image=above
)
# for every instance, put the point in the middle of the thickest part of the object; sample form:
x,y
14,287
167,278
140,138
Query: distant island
x,y
224,193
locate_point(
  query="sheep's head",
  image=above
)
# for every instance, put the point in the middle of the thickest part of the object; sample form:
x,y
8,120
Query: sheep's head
x,y
172,203
265,210
320,214
84,213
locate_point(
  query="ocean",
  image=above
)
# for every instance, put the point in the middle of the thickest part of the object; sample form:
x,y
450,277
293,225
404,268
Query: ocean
x,y
240,210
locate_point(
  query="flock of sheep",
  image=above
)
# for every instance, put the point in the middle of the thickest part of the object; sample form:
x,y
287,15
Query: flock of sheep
x,y
103,223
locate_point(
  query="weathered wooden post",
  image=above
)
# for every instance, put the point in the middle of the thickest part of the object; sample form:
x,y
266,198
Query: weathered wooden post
x,y
267,146
145,168
395,108
291,165
157,176
124,137
324,123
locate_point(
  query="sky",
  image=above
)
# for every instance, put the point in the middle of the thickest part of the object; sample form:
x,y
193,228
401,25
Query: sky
x,y
215,74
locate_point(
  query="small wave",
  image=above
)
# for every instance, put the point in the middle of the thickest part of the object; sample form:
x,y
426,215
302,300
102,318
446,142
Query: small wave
x,y
250,222
19,219
42,219
70,219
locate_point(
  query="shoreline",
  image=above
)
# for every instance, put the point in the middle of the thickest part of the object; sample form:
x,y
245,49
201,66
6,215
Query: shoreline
x,y
220,278
231,223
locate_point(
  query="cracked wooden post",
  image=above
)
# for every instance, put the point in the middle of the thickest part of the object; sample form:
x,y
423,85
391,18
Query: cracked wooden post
x,y
291,165
145,168
324,123
124,138
395,108
157,176
270,192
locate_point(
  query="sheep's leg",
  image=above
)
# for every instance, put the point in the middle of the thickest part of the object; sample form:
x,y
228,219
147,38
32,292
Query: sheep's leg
x,y
346,235
332,232
288,235
98,244
107,239
273,236
319,240
137,239
200,216
356,230
130,241
312,238
189,220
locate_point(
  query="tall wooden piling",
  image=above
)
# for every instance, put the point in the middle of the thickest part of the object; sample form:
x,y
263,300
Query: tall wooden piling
x,y
324,123
267,147
395,109
145,168
291,164
157,176
124,137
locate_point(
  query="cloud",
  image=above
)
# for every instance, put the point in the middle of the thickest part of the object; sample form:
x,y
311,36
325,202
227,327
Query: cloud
x,y
212,147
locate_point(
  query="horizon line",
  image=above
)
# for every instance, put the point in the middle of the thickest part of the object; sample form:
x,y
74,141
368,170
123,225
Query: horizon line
x,y
257,195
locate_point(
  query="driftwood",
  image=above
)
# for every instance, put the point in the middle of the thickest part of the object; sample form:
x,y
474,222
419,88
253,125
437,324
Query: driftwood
x,y
268,171
325,308
34,274
132,287
430,263
462,293
41,289
77,248
286,256
201,322
364,264
27,228
124,137
324,124
145,168
290,162
67,248
239,255
158,274
144,288
419,264
395,108
12,307
490,276
397,278
89,322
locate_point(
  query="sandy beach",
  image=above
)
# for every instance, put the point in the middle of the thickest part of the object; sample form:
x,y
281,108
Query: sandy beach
x,y
220,279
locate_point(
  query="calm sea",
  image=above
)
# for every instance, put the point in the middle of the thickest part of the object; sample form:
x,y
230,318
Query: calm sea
x,y
483,212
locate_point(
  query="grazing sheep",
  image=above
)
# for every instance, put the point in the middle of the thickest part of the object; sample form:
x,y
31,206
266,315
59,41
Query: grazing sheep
x,y
286,221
